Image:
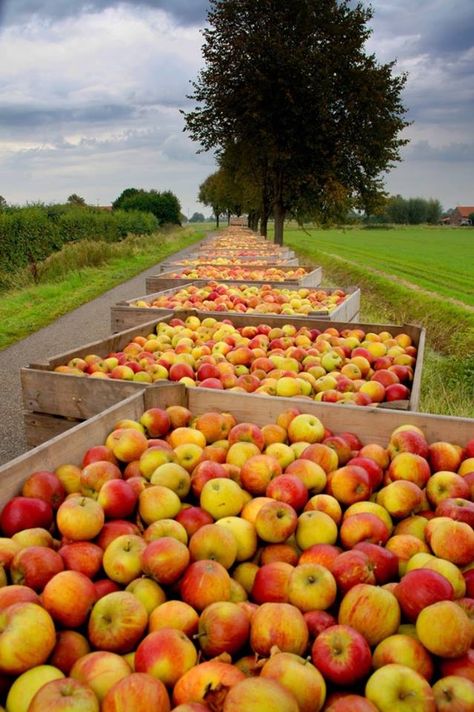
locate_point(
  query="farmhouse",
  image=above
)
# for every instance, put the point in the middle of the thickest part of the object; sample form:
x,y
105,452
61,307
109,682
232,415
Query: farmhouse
x,y
460,215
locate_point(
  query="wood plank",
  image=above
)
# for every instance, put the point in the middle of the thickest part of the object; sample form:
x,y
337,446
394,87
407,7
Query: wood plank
x,y
164,281
69,447
40,427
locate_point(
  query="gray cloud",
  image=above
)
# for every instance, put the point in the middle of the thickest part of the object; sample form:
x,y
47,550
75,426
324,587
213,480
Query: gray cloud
x,y
187,12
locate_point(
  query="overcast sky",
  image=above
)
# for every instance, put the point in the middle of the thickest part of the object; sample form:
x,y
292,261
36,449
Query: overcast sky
x,y
90,92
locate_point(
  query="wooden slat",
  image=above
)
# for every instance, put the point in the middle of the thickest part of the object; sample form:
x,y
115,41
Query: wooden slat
x,y
164,281
370,424
68,447
40,427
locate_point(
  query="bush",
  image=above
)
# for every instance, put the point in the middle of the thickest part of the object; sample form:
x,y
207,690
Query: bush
x,y
29,235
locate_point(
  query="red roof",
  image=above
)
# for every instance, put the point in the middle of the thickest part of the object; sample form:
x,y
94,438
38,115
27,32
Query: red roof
x,y
465,210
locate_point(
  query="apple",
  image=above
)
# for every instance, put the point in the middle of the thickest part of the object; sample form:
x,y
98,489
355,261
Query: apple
x,y
26,685
454,692
140,692
127,444
443,628
444,456
247,433
95,475
153,457
64,695
122,558
311,587
315,527
17,594
148,592
244,534
371,610
275,521
204,582
269,582
401,498
203,472
350,484
342,655
399,687
192,518
158,502
80,518
451,540
165,527
404,650
384,562
46,486
27,637
290,489
459,509
221,497
68,597
70,646
223,627
117,622
25,513
462,666
112,530
410,467
347,702
100,671
408,441
280,624
165,560
340,446
156,421
166,655
204,680
214,543
259,693
83,556
305,428
298,676
310,473
34,566
363,526
352,567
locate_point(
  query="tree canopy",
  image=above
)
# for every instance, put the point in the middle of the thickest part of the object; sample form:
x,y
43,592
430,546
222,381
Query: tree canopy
x,y
165,206
290,86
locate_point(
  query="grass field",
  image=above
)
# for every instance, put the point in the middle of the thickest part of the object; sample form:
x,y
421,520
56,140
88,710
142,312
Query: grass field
x,y
439,259
448,373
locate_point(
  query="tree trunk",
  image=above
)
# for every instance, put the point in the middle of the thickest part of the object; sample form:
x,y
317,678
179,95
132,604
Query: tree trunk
x,y
279,215
216,213
228,217
264,224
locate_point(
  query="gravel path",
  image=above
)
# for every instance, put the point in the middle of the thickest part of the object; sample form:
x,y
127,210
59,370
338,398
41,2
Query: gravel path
x,y
87,323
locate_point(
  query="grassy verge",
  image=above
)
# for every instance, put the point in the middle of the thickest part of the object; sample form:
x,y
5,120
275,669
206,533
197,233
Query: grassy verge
x,y
79,273
448,372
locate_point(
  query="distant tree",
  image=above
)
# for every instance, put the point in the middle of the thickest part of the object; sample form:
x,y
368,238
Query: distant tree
x,y
471,218
412,211
433,212
3,203
197,218
292,83
76,200
165,206
211,194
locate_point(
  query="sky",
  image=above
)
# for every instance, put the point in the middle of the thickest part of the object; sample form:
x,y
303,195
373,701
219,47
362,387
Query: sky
x,y
90,93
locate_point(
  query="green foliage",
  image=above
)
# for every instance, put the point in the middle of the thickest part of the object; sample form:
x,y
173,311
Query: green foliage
x,y
290,84
164,206
197,218
76,199
29,235
411,211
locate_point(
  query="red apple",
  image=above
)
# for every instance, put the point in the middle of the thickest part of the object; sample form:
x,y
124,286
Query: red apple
x,y
342,654
25,513
420,588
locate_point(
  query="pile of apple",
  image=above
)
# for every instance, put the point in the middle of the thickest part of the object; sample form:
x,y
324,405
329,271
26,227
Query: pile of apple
x,y
248,299
199,564
265,274
330,366
213,260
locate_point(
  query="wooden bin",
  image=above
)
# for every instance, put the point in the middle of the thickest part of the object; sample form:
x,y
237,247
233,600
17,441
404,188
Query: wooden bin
x,y
287,262
163,281
124,315
370,424
54,402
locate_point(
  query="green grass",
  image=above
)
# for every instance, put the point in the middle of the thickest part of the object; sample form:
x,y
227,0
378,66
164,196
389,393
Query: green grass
x,y
438,259
448,372
78,274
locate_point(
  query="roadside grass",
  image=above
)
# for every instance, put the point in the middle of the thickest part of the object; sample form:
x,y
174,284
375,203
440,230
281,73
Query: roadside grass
x,y
448,370
78,273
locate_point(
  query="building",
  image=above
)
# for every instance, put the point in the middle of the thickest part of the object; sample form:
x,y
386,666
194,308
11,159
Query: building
x,y
460,215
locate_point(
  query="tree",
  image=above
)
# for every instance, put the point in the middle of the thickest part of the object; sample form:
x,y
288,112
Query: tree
x,y
165,206
3,203
291,82
197,218
76,200
211,194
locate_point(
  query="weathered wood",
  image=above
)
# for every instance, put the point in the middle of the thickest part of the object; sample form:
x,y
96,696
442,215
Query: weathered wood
x,y
164,281
370,424
124,316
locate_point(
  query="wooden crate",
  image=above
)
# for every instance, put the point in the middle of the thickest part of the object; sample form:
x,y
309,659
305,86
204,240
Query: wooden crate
x,y
164,281
370,424
124,315
287,262
54,402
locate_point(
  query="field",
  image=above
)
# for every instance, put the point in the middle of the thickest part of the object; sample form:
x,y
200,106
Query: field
x,y
438,259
